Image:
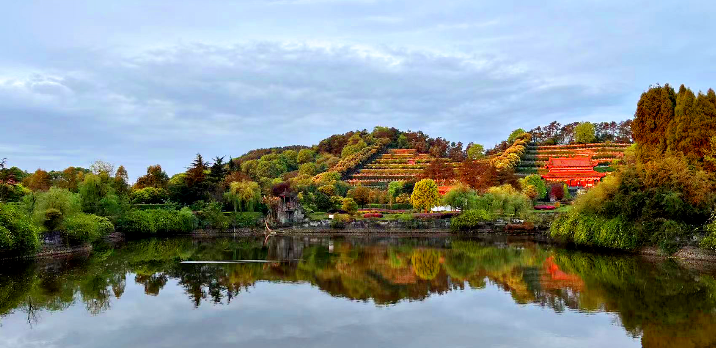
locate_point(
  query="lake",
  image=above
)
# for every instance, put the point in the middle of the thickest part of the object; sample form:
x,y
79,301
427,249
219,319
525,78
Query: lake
x,y
353,292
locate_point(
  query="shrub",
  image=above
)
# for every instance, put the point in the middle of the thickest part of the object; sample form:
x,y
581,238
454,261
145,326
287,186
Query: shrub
x,y
461,197
86,227
372,215
246,219
709,242
61,200
212,217
349,205
18,234
536,181
469,220
556,191
53,219
154,221
594,230
340,221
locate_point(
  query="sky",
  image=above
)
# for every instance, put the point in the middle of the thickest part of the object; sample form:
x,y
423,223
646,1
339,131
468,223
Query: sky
x,y
142,82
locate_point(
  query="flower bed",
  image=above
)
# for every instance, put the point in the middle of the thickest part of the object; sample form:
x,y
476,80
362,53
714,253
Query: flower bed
x,y
545,207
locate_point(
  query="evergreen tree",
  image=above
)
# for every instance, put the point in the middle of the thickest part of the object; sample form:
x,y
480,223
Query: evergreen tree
x,y
678,131
654,111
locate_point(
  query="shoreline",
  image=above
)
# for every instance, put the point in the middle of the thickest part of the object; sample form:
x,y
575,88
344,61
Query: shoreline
x,y
690,256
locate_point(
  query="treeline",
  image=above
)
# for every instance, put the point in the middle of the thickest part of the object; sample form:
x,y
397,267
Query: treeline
x,y
555,133
663,193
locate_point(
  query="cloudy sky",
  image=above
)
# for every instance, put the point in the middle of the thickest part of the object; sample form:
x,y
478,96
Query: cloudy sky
x,y
145,82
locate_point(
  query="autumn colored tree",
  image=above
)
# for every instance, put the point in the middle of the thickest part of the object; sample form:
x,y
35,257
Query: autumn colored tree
x,y
360,194
439,170
155,177
121,181
477,174
349,205
38,181
425,195
556,191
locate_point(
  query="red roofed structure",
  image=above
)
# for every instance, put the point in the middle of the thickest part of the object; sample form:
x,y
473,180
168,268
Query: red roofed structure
x,y
573,171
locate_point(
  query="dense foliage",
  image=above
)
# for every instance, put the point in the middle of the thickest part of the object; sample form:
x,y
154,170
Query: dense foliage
x,y
663,192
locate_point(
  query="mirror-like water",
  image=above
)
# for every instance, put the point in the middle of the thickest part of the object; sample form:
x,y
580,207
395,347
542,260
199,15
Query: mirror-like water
x,y
323,292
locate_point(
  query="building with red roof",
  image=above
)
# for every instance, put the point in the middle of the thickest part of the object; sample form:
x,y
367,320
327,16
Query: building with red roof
x,y
573,171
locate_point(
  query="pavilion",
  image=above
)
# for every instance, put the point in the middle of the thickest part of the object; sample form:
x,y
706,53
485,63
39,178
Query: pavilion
x,y
573,171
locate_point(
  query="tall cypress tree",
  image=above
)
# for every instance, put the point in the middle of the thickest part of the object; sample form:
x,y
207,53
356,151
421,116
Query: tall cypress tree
x,y
678,135
654,112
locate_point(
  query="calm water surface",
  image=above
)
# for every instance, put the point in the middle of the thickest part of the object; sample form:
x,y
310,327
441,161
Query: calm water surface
x,y
380,292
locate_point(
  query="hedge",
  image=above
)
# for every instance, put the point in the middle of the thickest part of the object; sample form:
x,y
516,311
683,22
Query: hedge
x,y
157,221
80,228
469,220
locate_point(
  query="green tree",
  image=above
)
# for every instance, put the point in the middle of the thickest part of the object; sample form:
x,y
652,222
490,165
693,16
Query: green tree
x,y
349,205
475,151
585,133
461,197
305,156
515,134
425,195
538,183
394,189
654,112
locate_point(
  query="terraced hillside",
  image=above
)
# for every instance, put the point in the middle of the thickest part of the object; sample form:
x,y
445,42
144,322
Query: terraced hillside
x,y
395,165
534,159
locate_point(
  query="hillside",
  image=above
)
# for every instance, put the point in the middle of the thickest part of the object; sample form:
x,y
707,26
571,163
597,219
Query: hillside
x,y
535,157
394,165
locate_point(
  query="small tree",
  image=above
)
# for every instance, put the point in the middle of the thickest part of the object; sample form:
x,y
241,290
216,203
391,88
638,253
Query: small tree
x,y
425,195
530,191
360,194
515,134
475,151
567,196
584,133
536,181
349,205
394,189
556,191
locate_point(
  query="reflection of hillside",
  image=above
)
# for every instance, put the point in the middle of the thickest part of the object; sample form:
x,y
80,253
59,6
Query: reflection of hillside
x,y
662,302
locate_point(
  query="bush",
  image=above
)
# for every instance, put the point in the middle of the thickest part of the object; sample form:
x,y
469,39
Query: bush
x,y
18,234
469,220
246,219
594,230
340,221
709,242
86,227
158,221
349,205
212,217
63,202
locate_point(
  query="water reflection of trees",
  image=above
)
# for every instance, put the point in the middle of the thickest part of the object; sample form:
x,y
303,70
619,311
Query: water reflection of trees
x,y
661,302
